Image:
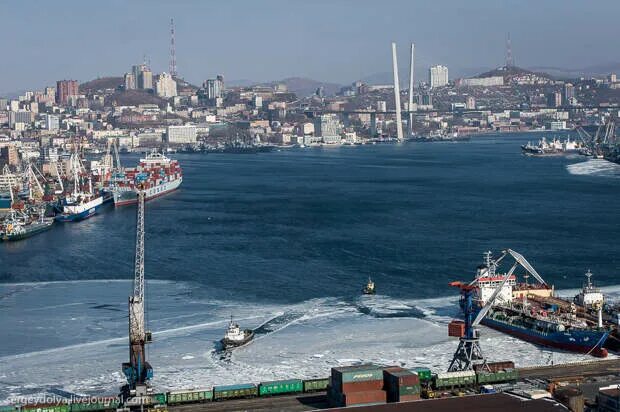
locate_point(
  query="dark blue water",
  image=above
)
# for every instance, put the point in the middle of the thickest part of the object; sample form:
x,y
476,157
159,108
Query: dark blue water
x,y
292,225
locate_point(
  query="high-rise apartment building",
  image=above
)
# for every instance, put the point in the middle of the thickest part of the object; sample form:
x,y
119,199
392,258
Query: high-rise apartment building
x,y
437,76
165,86
65,89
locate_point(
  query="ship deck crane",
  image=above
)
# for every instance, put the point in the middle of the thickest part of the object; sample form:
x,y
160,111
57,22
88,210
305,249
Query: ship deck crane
x,y
138,371
469,353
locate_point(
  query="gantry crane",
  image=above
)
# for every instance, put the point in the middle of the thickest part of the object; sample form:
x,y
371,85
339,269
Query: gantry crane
x,y
469,354
138,371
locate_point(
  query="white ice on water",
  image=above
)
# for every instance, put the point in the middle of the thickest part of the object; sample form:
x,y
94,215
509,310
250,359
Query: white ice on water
x,y
595,167
67,335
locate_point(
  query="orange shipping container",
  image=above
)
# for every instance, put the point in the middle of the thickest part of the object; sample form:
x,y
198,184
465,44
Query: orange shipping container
x,y
456,328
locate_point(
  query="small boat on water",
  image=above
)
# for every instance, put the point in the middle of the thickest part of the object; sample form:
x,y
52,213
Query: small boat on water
x,y
17,225
369,289
235,336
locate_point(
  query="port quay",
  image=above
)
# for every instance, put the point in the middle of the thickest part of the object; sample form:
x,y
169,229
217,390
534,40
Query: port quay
x,y
377,215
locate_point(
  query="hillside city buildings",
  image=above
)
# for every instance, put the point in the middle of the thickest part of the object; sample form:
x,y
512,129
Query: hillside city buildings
x,y
141,110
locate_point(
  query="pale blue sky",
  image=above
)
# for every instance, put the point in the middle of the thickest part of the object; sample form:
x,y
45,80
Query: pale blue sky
x,y
337,40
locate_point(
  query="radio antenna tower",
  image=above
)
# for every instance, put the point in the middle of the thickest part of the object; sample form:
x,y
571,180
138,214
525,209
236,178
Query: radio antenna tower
x,y
173,58
509,60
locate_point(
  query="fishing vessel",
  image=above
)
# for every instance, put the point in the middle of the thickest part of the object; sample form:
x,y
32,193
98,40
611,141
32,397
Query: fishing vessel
x,y
17,226
553,147
235,336
157,174
519,310
369,289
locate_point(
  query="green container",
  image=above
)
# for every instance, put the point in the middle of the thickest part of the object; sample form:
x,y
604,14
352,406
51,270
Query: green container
x,y
424,374
359,373
313,385
280,387
8,408
201,395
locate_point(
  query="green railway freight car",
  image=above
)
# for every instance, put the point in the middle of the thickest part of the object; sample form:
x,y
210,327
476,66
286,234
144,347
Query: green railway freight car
x,y
9,408
455,379
507,375
244,390
280,387
97,404
316,385
193,396
424,374
159,399
47,407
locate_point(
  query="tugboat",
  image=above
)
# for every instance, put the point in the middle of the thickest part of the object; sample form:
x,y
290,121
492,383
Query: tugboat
x,y
236,337
369,289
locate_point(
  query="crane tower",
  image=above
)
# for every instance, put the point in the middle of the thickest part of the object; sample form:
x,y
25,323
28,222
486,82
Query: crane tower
x,y
138,371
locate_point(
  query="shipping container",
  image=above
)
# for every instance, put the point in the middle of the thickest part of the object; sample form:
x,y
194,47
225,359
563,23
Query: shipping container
x,y
359,398
360,386
356,374
456,328
199,395
9,408
280,387
424,374
400,378
313,385
244,390
159,399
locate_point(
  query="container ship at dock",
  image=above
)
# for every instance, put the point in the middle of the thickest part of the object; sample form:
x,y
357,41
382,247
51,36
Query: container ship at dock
x,y
520,310
158,174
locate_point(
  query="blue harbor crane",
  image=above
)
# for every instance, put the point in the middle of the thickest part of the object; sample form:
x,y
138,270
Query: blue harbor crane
x,y
138,371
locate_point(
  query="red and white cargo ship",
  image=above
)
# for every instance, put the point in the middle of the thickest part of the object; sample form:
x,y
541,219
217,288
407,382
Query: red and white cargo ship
x,y
156,173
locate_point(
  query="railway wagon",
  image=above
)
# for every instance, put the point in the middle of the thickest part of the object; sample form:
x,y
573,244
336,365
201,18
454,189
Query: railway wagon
x,y
315,385
98,404
280,387
243,390
190,396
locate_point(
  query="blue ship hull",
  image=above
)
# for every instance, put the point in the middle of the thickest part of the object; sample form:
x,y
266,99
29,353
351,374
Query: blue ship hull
x,y
66,217
581,340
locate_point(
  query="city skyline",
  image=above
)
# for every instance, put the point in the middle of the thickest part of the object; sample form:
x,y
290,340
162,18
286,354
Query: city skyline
x,y
337,43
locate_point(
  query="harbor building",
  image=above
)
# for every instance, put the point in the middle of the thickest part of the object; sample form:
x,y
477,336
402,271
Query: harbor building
x,y
181,134
438,76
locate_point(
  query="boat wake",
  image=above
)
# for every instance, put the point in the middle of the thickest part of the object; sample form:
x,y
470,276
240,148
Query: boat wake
x,y
595,167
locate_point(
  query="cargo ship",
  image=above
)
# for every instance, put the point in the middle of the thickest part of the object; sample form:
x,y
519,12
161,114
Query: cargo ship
x,y
18,225
518,311
236,337
157,174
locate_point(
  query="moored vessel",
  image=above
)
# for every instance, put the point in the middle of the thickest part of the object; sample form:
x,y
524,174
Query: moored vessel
x,y
17,226
519,310
157,174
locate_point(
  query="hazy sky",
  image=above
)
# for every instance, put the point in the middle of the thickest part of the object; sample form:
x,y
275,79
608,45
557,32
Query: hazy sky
x,y
329,40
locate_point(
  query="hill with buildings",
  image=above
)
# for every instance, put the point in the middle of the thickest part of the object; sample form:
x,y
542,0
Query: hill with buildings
x,y
510,73
134,98
303,86
102,83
